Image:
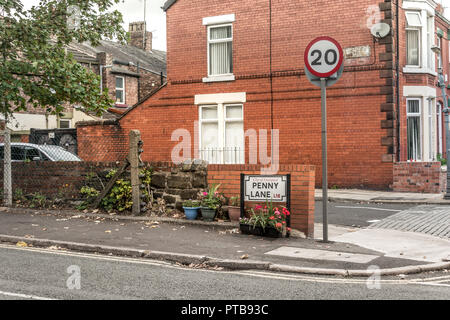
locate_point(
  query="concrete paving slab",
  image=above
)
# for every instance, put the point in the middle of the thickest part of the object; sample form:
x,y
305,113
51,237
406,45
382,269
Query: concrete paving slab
x,y
399,244
302,253
356,195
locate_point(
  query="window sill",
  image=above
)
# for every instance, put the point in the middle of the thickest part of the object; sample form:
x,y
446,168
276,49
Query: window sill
x,y
419,70
230,77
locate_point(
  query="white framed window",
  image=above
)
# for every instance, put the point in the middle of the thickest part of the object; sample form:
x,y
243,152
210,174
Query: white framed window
x,y
120,90
439,128
414,129
222,133
220,50
430,43
431,131
413,39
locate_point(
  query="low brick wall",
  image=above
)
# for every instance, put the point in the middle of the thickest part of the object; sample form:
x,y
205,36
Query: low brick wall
x,y
302,189
101,141
55,179
417,177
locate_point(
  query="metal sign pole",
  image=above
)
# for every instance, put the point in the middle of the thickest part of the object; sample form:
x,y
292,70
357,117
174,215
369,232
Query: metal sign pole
x,y
323,87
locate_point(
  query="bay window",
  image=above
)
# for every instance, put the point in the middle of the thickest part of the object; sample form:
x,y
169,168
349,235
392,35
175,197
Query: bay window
x,y
414,135
413,36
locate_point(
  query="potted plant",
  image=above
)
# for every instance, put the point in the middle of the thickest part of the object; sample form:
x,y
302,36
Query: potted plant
x,y
190,208
210,202
234,209
266,221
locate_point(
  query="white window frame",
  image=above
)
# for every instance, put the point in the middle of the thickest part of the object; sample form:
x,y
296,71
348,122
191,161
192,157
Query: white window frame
x,y
426,16
221,121
419,115
121,89
439,128
419,29
225,40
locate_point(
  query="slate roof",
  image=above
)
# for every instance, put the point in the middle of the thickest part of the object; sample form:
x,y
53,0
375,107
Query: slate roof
x,y
154,60
168,4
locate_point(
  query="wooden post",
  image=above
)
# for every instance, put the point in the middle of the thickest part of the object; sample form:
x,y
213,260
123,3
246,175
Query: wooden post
x,y
133,158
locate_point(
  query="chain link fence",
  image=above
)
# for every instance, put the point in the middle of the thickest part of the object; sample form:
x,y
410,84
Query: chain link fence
x,y
56,160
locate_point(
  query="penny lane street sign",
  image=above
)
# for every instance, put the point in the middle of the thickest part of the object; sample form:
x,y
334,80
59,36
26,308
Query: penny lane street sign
x,y
262,188
324,66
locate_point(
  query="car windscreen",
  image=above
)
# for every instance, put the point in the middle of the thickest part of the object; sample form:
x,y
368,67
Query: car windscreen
x,y
59,154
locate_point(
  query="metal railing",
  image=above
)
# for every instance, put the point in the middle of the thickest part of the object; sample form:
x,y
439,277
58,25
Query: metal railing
x,y
226,155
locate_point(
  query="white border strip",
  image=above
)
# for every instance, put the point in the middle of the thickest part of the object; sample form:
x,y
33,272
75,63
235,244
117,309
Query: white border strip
x,y
219,19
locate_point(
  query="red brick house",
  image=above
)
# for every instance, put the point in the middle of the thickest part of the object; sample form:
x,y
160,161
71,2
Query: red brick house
x,y
236,67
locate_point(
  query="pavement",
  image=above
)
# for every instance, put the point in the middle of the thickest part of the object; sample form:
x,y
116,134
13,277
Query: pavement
x,y
214,245
371,196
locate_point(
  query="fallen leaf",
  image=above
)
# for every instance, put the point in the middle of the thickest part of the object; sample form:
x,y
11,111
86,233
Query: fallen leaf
x,y
21,244
245,256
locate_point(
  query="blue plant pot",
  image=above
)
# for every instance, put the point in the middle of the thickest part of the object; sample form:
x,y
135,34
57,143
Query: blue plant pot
x,y
191,213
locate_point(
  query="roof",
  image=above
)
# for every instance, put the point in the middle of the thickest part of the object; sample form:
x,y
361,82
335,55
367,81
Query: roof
x,y
168,4
154,60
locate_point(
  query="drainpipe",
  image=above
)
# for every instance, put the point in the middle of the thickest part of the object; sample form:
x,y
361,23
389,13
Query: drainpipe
x,y
397,80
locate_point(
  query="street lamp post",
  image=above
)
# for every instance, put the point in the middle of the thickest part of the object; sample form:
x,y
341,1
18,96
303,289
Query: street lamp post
x,y
441,84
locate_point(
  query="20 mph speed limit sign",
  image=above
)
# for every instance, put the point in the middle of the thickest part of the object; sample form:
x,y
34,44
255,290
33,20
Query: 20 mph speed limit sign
x,y
324,66
323,57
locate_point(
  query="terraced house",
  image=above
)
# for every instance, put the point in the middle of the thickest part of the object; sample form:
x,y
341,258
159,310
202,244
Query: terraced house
x,y
235,68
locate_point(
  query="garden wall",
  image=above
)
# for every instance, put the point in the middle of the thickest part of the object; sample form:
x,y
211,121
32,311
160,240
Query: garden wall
x,y
418,177
173,183
302,189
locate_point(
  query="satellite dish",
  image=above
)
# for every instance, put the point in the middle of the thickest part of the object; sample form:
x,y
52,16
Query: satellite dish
x,y
380,30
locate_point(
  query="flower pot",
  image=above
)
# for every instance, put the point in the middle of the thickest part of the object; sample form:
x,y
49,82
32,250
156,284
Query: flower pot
x,y
273,233
234,213
191,213
249,229
208,214
269,232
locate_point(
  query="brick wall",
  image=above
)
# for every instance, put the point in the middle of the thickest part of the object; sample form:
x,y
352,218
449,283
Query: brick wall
x,y
101,141
302,188
360,105
418,177
54,179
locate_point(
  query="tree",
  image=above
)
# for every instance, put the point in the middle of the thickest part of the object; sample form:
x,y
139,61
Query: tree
x,y
35,68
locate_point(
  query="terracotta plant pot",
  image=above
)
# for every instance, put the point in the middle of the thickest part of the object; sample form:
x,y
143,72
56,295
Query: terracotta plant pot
x,y
234,213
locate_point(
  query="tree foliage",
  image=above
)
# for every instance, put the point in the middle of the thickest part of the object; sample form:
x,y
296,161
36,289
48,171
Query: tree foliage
x,y
35,68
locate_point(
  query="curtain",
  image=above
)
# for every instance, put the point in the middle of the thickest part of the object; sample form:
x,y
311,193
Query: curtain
x,y
412,47
220,52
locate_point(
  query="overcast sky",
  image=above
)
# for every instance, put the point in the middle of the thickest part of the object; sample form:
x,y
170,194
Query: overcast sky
x,y
133,10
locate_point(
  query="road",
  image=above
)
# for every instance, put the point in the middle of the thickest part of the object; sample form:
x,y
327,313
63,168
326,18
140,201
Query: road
x,y
356,214
28,273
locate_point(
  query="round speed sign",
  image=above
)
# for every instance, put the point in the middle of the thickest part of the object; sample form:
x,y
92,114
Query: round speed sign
x,y
323,57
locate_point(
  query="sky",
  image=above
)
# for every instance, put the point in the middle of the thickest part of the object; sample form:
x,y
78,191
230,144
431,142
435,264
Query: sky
x,y
133,10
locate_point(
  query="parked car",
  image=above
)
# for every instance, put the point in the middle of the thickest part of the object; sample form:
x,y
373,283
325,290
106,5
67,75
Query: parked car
x,y
37,152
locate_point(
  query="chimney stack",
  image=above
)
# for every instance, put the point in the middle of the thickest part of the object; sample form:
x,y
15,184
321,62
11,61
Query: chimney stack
x,y
139,36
